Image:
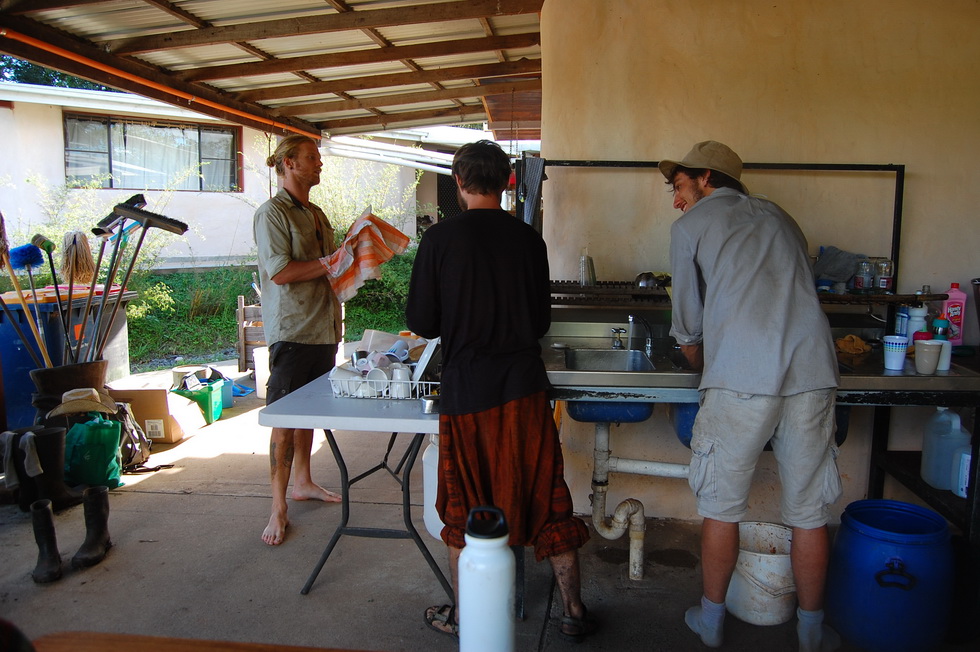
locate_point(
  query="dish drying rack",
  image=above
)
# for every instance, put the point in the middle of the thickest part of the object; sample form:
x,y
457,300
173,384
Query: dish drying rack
x,y
382,389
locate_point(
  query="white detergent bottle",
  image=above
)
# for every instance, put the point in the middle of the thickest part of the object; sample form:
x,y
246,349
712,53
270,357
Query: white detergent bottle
x,y
942,437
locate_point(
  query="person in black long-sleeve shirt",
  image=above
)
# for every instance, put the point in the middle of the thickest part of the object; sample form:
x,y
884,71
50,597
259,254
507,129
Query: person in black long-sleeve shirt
x,y
480,283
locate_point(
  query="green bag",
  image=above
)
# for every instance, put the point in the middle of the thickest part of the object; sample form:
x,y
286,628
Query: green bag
x,y
92,453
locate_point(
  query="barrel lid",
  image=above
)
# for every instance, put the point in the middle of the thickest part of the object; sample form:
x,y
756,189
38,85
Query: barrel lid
x,y
486,522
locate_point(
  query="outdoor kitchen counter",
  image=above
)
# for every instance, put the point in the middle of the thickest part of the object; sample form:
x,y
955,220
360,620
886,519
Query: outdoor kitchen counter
x,y
864,382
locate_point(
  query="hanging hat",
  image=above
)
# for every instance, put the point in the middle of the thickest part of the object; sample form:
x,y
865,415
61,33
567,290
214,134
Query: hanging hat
x,y
86,399
710,155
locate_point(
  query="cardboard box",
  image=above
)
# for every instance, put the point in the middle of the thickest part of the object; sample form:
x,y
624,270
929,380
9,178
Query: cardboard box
x,y
164,416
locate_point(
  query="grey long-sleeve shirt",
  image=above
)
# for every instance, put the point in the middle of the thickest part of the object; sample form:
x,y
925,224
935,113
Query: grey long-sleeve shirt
x,y
742,285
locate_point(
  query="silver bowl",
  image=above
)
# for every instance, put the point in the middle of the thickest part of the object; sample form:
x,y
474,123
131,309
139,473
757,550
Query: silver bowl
x,y
646,280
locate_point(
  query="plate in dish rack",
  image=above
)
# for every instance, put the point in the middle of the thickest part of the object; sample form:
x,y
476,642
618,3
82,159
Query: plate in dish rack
x,y
430,349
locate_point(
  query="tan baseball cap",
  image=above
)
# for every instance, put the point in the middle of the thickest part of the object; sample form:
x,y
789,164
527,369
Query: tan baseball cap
x,y
711,155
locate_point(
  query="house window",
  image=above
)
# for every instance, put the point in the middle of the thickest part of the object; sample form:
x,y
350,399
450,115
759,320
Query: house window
x,y
141,155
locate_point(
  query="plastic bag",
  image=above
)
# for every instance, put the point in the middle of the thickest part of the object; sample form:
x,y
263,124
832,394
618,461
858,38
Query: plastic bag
x,y
92,453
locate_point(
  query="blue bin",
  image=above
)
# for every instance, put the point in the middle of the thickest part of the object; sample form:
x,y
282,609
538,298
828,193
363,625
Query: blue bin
x,y
890,581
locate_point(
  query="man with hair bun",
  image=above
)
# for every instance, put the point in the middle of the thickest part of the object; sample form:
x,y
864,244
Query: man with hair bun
x,y
300,313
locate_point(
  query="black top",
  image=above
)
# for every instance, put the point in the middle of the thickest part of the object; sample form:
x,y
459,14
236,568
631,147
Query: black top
x,y
480,282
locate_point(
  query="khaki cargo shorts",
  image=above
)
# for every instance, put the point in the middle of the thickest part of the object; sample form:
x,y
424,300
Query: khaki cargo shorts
x,y
729,435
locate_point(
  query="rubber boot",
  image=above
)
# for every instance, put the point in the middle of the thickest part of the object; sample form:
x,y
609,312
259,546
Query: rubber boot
x,y
27,488
50,444
97,541
48,567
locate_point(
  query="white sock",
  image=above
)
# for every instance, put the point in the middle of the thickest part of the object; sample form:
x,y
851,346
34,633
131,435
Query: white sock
x,y
707,621
813,635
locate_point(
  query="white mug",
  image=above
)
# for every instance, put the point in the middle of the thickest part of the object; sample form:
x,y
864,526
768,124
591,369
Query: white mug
x,y
399,349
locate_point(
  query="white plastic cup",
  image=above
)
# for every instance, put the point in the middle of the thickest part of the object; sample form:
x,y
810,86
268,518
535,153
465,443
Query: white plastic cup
x,y
896,346
400,382
945,358
344,381
378,379
927,356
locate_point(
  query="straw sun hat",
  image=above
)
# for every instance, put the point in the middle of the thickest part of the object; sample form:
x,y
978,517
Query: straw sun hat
x,y
86,399
710,155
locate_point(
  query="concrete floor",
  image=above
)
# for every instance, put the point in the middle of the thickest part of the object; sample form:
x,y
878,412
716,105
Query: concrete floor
x,y
187,561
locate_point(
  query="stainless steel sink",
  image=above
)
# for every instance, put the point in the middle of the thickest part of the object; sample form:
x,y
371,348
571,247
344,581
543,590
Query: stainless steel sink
x,y
607,360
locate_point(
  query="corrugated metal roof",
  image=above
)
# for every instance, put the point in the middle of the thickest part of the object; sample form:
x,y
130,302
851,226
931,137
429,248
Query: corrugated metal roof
x,y
246,60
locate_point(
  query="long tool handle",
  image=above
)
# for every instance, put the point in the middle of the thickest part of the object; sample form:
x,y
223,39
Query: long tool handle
x,y
61,312
88,301
27,313
122,290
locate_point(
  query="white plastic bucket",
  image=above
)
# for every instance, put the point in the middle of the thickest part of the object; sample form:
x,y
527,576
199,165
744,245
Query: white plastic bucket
x,y
762,591
260,357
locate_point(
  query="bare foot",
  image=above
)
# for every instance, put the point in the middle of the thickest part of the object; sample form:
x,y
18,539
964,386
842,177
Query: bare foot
x,y
275,531
314,491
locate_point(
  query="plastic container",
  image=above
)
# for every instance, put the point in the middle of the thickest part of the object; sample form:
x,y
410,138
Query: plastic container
x,y
959,476
890,579
486,584
260,356
955,308
917,319
430,486
943,435
208,396
884,276
762,590
864,279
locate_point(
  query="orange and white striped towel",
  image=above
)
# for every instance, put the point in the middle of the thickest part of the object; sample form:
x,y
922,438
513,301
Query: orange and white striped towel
x,y
369,242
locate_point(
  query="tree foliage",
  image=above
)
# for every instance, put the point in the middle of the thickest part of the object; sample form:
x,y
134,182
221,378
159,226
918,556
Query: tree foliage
x,y
17,70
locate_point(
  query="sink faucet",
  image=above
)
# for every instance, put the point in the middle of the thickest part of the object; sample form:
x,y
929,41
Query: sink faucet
x,y
648,348
617,342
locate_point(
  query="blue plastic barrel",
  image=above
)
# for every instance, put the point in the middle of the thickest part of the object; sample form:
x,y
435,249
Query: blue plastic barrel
x,y
890,581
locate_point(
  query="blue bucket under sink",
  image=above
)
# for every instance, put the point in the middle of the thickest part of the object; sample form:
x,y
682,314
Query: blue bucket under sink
x,y
609,411
682,415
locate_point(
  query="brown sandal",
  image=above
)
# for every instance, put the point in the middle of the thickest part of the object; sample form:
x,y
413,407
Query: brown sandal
x,y
444,615
580,627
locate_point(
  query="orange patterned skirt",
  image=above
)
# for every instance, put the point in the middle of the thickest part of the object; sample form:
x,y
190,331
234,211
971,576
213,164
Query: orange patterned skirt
x,y
509,457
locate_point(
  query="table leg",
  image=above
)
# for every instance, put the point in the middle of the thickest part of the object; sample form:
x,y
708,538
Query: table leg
x,y
405,465
407,515
344,511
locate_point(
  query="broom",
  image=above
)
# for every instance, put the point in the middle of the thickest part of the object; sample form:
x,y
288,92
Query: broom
x,y
64,314
5,257
27,257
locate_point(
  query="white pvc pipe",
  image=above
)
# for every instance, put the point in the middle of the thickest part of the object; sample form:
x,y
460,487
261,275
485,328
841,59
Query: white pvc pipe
x,y
648,467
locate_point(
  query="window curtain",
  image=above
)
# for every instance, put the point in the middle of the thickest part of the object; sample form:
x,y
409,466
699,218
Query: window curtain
x,y
160,157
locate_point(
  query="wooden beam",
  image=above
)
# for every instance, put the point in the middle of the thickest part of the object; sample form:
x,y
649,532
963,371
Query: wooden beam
x,y
411,98
82,60
415,14
178,13
378,55
380,123
520,66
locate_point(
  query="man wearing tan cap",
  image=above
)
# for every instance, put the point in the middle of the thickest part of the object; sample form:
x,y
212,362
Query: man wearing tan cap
x,y
745,313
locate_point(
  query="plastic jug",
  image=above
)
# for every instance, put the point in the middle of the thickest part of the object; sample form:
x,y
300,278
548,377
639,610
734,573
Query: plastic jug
x,y
430,486
942,437
486,584
959,476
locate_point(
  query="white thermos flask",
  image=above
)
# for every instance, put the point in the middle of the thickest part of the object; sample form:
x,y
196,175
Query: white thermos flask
x,y
486,584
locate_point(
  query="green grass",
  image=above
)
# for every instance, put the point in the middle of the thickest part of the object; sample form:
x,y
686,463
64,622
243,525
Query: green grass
x,y
192,314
